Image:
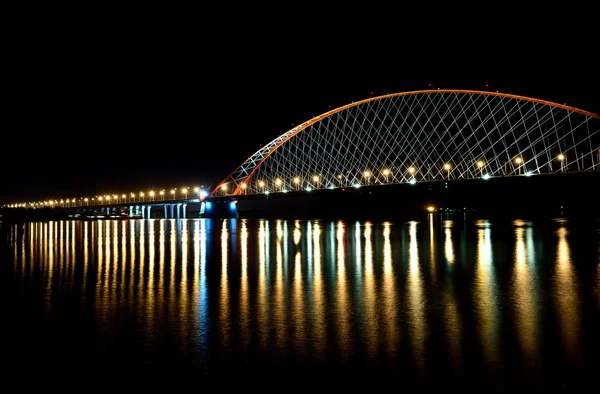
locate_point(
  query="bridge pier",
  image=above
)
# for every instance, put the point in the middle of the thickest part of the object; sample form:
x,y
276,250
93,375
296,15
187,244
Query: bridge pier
x,y
219,209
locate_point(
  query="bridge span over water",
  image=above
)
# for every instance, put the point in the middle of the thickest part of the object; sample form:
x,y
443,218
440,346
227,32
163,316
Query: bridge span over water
x,y
444,139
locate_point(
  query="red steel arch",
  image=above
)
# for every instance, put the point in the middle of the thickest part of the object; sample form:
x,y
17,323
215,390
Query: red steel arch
x,y
282,139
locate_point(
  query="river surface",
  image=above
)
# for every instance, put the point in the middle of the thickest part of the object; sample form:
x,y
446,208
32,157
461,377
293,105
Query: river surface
x,y
448,302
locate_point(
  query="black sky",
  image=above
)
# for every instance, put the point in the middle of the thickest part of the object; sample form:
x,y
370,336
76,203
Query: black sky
x,y
110,101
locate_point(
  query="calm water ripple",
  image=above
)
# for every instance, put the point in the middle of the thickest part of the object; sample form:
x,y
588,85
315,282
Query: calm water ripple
x,y
440,302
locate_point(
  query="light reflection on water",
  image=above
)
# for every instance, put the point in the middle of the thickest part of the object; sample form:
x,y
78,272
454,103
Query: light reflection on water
x,y
472,297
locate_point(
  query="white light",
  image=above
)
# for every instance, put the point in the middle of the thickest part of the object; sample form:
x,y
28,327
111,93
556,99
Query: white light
x,y
412,181
203,194
284,191
331,186
528,173
308,189
357,185
486,176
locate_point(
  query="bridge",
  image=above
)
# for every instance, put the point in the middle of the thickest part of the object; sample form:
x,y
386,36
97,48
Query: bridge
x,y
428,137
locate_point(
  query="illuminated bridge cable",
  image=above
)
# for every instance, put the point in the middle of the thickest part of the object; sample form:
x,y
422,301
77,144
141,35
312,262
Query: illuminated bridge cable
x,y
422,136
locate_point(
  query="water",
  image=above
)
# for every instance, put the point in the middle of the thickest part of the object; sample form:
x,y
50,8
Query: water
x,y
451,303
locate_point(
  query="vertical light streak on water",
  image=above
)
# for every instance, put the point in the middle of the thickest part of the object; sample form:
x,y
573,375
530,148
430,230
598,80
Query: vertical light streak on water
x,y
432,262
58,245
452,318
100,263
416,300
524,295
160,289
566,292
184,295
204,324
107,264
342,299
86,260
279,297
244,325
126,264
116,276
486,297
171,285
140,229
73,261
300,337
224,313
262,303
370,299
150,297
136,291
320,324
390,299
48,242
448,244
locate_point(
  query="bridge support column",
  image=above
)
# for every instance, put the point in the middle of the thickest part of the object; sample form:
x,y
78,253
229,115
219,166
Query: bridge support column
x,y
172,214
137,209
178,214
219,209
183,212
165,207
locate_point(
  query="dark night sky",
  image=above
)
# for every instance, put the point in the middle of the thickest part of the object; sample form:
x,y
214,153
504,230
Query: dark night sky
x,y
111,102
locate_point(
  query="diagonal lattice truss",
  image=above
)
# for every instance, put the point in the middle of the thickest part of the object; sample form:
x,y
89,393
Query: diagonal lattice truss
x,y
422,136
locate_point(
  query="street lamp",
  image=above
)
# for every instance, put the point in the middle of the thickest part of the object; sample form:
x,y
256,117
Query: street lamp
x,y
480,164
243,186
297,182
339,177
173,193
367,174
85,199
133,196
162,193
278,182
561,158
447,167
316,180
386,174
185,191
262,185
518,162
142,196
152,194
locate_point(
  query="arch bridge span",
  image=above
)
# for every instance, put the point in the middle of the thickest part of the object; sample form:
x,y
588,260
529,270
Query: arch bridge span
x,y
419,136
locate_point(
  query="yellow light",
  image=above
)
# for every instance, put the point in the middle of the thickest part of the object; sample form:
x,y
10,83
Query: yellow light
x,y
243,185
196,189
184,191
115,196
386,172
480,164
223,187
152,193
367,174
261,183
173,191
561,157
447,166
411,170
278,182
430,209
162,192
315,178
85,199
296,180
132,195
99,198
123,196
518,160
142,194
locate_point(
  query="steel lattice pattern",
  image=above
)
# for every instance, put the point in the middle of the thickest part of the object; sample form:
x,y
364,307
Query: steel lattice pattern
x,y
422,136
